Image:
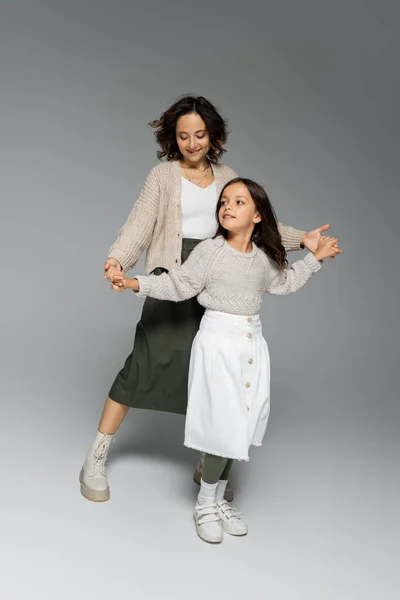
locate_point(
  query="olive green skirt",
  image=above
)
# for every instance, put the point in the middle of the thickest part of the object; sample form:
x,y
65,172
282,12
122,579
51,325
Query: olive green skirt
x,y
155,374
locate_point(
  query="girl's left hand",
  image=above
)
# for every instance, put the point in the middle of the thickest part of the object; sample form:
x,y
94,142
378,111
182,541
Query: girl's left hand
x,y
312,238
327,248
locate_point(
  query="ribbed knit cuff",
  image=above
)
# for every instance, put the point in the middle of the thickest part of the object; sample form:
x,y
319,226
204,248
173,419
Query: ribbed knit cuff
x,y
121,257
144,285
291,238
312,262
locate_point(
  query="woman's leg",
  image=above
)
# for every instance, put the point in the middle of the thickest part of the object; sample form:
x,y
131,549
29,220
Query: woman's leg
x,y
112,416
93,477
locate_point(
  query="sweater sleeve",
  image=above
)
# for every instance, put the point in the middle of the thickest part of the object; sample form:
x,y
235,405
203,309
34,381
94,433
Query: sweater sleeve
x,y
135,235
291,237
292,279
230,173
181,283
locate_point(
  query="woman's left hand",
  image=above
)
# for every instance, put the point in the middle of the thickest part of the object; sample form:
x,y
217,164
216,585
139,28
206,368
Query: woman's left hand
x,y
310,239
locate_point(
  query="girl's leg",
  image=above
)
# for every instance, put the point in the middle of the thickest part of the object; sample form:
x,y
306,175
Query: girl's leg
x,y
198,473
226,472
93,477
223,481
214,467
211,469
215,477
206,515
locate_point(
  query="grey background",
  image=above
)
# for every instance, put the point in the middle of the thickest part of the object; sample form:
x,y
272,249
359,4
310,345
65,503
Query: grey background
x,y
311,91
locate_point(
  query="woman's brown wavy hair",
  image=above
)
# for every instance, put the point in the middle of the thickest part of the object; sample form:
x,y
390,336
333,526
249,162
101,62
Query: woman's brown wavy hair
x,y
266,233
165,128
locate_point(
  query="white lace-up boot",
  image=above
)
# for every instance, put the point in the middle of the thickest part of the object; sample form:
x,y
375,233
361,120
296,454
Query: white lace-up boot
x,y
93,476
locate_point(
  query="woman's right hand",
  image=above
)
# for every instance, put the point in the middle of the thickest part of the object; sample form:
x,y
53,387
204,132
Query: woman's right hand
x,y
327,248
111,268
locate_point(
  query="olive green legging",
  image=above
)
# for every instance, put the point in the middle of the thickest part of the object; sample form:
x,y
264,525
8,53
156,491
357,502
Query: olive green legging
x,y
216,468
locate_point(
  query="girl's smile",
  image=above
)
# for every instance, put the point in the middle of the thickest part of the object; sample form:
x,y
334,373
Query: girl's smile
x,y
228,215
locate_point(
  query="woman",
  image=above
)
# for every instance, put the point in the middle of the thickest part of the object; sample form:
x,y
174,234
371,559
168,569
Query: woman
x,y
173,213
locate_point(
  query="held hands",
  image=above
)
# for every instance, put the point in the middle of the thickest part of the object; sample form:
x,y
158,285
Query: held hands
x,y
326,248
311,240
121,283
111,268
113,272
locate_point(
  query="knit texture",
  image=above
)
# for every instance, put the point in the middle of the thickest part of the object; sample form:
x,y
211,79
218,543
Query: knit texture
x,y
155,221
226,280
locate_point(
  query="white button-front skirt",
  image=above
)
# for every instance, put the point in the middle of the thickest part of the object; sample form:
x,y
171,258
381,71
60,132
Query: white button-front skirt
x,y
229,386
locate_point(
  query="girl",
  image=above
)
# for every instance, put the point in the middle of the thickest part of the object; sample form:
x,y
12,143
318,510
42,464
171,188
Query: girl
x,y
175,210
229,376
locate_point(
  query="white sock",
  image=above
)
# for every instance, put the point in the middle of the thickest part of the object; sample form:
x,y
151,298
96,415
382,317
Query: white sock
x,y
207,492
221,487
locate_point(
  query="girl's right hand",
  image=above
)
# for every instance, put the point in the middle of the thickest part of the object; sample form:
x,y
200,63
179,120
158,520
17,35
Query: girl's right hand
x,y
121,283
327,248
111,268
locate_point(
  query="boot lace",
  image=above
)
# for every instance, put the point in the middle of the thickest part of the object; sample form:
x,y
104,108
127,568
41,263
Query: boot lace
x,y
100,455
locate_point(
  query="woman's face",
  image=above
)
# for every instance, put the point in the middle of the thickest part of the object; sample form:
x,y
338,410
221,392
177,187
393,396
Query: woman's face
x,y
192,138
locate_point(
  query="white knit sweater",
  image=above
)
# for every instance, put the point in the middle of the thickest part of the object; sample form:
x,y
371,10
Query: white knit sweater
x,y
155,221
226,280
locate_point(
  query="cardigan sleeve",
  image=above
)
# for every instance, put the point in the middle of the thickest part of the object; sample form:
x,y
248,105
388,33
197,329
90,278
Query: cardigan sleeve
x,y
135,235
181,283
291,237
292,279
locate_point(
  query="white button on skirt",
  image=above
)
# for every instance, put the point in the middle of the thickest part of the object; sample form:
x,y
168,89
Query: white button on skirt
x,y
229,386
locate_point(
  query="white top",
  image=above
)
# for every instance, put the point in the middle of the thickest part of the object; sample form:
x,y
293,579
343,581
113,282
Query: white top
x,y
226,280
198,210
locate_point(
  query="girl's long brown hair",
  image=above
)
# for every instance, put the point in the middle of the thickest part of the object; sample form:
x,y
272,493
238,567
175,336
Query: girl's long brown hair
x,y
266,233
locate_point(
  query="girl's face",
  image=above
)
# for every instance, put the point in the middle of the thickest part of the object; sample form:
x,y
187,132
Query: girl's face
x,y
192,138
237,212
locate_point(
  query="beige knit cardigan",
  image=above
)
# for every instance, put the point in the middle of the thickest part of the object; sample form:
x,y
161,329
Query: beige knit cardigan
x,y
155,221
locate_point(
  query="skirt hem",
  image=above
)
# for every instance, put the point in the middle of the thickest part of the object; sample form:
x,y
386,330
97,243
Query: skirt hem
x,y
146,405
201,449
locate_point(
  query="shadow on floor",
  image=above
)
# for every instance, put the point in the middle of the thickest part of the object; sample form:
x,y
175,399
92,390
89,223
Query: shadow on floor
x,y
146,433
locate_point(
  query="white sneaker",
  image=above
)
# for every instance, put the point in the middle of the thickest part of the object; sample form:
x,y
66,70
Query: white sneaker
x,y
93,476
208,525
230,519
